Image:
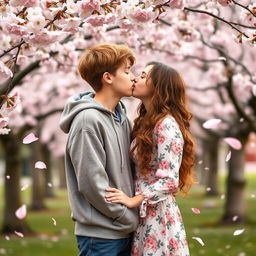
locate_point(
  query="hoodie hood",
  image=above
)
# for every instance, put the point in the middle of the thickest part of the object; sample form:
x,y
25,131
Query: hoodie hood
x,y
83,101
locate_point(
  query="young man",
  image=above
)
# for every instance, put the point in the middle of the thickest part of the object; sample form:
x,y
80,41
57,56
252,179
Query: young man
x,y
97,152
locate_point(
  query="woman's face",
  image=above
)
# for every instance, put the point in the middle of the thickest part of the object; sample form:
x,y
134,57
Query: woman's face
x,y
143,88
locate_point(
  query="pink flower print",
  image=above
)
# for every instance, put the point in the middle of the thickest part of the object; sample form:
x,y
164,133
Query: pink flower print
x,y
151,243
159,127
164,164
171,186
179,216
170,219
135,251
163,232
175,147
173,243
160,139
151,212
163,221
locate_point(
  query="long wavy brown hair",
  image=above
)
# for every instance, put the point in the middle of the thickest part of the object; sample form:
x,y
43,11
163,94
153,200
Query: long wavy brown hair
x,y
169,98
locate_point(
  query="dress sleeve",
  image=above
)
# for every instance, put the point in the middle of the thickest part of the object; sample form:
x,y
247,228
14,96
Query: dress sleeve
x,y
169,145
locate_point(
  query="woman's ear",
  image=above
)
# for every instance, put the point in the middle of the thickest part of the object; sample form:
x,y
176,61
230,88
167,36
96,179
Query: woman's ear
x,y
107,78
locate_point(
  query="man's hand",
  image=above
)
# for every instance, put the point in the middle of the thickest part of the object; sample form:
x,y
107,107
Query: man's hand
x,y
118,196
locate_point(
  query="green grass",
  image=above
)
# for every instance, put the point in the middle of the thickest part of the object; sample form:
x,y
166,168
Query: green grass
x,y
59,240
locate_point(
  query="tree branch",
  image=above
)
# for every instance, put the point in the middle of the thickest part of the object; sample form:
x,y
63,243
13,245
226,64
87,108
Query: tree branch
x,y
218,18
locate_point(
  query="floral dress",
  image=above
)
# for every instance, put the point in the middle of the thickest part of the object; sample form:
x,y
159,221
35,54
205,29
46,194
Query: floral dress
x,y
161,230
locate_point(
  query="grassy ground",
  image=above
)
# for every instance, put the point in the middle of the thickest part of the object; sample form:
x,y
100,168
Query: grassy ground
x,y
58,240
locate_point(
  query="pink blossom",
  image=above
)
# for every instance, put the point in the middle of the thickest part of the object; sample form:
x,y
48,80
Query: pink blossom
x,y
96,20
86,7
5,72
185,31
164,164
142,15
3,122
16,29
179,4
224,2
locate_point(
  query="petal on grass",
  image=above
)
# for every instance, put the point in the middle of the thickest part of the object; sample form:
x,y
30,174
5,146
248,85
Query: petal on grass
x,y
238,232
233,143
195,210
19,234
29,138
54,222
199,240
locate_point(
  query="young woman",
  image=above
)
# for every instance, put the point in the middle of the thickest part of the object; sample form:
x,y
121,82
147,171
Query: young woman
x,y
163,152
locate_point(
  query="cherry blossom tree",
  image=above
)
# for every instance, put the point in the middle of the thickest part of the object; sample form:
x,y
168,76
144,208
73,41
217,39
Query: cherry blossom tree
x,y
212,42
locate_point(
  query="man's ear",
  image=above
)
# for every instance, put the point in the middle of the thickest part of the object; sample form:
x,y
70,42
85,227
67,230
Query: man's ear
x,y
107,78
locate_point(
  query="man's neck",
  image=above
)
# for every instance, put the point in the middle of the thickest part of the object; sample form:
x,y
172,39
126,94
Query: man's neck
x,y
107,99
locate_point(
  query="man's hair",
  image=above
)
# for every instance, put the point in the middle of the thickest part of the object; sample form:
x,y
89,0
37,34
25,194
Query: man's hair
x,y
102,58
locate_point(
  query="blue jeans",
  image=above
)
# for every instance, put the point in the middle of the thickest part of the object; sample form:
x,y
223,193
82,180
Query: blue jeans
x,y
92,246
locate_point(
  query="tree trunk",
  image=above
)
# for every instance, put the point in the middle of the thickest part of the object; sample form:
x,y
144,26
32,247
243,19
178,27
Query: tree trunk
x,y
209,176
38,178
235,202
212,177
48,173
61,171
12,192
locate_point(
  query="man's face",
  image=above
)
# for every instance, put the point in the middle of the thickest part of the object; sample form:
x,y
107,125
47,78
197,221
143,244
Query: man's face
x,y
123,80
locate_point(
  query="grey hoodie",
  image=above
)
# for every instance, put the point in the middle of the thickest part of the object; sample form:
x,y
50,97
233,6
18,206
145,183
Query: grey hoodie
x,y
97,158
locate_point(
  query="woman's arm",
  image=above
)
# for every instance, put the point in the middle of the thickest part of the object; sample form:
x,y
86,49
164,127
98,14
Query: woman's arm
x,y
118,196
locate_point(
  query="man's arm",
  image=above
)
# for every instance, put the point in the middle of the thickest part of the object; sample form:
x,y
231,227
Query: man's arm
x,y
89,159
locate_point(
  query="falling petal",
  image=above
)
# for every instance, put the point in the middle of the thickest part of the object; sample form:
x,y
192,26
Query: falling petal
x,y
7,238
24,187
206,168
211,124
222,58
19,234
238,232
49,184
8,177
21,212
161,173
233,142
29,138
200,162
40,165
228,156
208,189
222,196
195,210
241,120
235,218
199,240
54,222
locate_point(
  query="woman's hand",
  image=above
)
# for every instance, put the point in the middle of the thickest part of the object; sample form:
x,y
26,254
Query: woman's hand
x,y
118,196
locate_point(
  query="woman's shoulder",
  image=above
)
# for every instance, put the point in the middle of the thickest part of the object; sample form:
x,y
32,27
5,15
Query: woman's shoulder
x,y
167,122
